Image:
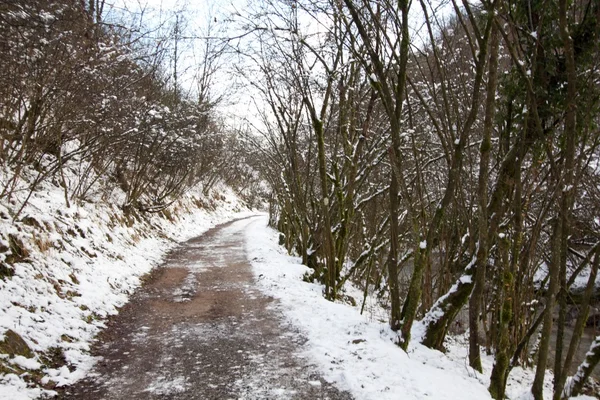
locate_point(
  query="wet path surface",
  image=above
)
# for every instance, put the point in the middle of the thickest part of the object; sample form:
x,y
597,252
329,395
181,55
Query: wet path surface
x,y
200,329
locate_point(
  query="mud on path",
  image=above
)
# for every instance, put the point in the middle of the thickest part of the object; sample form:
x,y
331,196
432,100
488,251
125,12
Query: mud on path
x,y
200,329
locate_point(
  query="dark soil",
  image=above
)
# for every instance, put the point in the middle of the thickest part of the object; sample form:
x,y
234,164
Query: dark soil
x,y
200,329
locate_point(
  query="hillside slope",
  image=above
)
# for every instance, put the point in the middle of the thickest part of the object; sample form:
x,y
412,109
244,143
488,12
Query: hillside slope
x,y
65,270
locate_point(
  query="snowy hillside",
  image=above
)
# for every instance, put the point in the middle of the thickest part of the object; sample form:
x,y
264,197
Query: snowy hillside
x,y
65,270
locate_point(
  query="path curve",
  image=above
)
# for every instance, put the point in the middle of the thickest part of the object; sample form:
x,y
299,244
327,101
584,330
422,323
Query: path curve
x,y
200,329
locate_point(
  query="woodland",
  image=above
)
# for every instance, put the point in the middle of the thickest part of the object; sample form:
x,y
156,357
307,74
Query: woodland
x,y
441,155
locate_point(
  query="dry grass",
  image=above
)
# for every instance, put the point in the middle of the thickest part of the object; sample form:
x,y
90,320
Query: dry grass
x,y
42,242
136,237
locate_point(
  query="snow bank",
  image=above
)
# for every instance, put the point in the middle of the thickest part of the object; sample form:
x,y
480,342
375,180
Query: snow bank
x,y
78,266
356,351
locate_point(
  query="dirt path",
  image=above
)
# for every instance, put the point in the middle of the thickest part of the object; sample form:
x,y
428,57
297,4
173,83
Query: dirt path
x,y
199,329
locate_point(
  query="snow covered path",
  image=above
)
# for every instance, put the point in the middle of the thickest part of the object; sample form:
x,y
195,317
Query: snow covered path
x,y
200,329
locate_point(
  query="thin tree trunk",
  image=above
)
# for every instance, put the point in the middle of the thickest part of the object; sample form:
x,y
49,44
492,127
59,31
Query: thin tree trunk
x,y
506,288
500,371
392,262
538,382
570,135
483,246
330,282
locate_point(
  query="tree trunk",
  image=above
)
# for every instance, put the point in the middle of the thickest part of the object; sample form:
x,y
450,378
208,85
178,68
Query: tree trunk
x,y
392,262
575,384
484,161
570,134
330,282
538,383
446,308
501,365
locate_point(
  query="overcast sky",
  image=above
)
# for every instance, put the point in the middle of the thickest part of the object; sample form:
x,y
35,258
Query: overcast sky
x,y
201,21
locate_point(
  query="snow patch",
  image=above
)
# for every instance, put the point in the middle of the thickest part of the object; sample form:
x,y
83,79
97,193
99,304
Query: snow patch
x,y
164,386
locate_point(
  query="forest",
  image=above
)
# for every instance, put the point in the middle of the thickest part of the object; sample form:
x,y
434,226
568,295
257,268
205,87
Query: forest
x,y
98,98
441,155
445,156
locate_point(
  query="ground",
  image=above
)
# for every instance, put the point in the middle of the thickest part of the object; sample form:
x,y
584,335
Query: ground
x,y
229,315
200,329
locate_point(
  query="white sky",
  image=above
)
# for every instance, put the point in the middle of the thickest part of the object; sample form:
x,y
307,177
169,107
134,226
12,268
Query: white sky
x,y
200,19
199,22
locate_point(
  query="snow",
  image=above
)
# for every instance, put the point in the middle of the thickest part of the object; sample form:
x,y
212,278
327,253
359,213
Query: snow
x,y
67,291
27,363
423,245
464,238
83,264
164,386
357,352
579,283
13,387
